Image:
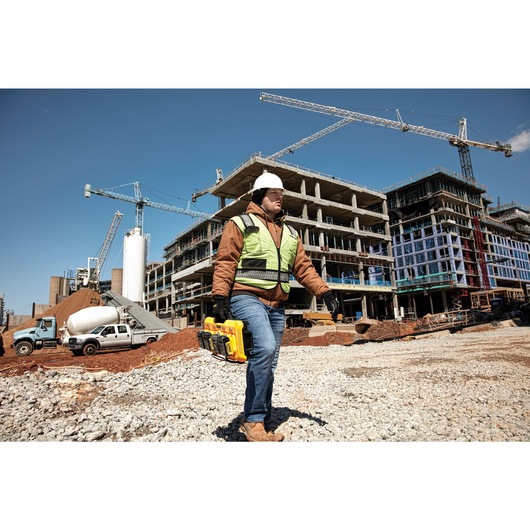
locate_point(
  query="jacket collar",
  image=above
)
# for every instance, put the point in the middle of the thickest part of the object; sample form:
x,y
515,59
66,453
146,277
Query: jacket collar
x,y
260,212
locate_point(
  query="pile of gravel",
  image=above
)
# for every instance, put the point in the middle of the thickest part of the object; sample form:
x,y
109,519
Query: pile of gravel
x,y
461,387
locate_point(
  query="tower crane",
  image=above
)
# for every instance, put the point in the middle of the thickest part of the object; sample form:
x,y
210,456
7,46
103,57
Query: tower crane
x,y
135,242
140,202
460,141
90,277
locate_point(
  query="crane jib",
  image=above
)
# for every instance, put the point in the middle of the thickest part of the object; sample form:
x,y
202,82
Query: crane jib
x,y
140,202
383,122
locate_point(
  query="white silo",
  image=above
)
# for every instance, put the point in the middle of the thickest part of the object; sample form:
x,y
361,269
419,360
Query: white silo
x,y
134,253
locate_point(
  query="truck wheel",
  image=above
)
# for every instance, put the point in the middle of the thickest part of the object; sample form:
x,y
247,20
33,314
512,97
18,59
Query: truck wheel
x,y
24,348
150,340
90,349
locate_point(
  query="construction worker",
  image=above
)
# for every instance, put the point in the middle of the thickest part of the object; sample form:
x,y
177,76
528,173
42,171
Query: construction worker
x,y
256,256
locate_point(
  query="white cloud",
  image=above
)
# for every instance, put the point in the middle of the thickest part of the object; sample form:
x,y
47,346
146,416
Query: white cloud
x,y
520,142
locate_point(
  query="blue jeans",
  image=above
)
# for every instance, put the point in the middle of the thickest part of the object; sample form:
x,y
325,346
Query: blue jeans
x,y
266,325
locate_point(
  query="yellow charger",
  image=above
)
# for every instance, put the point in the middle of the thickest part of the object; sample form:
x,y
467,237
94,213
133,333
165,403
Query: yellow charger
x,y
229,341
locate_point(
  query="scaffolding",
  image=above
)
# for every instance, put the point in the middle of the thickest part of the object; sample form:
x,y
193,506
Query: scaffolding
x,y
481,300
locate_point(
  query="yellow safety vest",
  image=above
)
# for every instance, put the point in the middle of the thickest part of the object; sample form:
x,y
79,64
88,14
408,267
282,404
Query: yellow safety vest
x,y
262,264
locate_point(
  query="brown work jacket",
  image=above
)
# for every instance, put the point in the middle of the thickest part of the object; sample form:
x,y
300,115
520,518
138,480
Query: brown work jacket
x,y
230,249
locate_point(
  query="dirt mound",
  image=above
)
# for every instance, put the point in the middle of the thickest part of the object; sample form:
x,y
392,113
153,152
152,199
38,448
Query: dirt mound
x,y
372,330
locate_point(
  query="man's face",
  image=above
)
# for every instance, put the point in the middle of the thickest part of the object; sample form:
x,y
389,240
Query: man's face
x,y
272,202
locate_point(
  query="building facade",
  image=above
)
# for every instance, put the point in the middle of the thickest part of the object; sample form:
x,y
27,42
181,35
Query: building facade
x,y
508,246
448,244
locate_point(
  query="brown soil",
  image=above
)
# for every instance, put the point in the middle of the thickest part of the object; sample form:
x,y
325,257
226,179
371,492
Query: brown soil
x,y
169,347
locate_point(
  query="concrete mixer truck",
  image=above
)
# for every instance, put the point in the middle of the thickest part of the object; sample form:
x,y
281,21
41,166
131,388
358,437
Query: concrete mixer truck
x,y
83,327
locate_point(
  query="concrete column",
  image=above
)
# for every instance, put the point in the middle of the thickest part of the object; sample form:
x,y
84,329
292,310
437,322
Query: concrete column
x,y
356,222
313,305
324,268
358,245
444,300
321,241
395,303
364,305
306,236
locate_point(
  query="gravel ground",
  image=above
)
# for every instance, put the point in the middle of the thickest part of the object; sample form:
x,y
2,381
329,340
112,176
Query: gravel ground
x,y
468,386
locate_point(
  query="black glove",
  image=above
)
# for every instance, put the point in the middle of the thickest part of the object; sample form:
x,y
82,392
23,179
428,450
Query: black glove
x,y
331,304
221,309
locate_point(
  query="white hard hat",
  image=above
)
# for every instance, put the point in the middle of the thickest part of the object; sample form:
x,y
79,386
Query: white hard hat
x,y
267,180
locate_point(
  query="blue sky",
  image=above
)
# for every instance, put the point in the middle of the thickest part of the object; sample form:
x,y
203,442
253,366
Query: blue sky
x,y
54,141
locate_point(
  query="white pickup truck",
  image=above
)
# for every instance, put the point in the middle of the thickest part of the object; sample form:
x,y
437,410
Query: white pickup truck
x,y
112,336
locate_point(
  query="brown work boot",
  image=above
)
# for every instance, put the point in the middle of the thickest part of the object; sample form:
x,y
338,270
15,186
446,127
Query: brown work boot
x,y
276,436
254,431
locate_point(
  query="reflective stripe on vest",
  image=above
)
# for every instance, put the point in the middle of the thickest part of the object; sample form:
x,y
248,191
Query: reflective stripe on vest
x,y
261,263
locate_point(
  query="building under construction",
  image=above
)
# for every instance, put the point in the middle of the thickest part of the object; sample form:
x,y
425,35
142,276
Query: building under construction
x,y
450,248
344,227
429,245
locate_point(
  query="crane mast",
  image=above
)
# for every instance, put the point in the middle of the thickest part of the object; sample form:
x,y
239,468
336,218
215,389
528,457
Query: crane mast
x,y
460,141
103,253
134,264
95,272
90,276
